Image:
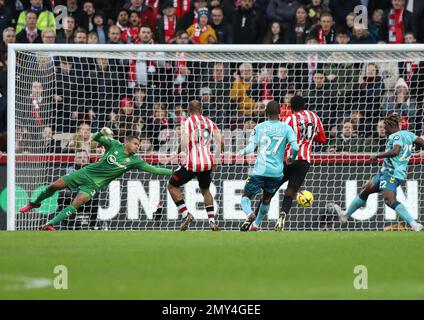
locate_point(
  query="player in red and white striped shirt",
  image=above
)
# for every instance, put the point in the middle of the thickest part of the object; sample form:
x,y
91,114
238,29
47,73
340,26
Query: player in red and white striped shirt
x,y
197,136
308,128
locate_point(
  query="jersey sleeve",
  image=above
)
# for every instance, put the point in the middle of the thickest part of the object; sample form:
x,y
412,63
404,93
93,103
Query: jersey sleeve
x,y
320,137
104,141
144,166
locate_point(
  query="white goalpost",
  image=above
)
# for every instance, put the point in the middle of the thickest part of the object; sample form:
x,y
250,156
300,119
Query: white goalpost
x,y
58,95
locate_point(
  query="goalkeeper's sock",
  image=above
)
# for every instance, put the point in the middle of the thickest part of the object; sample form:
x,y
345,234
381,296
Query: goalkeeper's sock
x,y
69,210
211,214
287,203
246,204
46,193
263,211
402,211
357,203
182,209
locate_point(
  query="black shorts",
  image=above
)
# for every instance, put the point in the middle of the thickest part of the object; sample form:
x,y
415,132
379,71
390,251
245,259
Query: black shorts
x,y
181,176
295,173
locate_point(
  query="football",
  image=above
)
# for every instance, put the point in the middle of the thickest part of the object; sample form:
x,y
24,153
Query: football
x,y
305,198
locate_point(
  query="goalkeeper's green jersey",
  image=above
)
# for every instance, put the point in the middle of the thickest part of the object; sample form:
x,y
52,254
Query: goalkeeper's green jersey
x,y
116,162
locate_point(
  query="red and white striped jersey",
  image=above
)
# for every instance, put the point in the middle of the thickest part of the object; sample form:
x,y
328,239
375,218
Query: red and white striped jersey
x,y
199,132
307,127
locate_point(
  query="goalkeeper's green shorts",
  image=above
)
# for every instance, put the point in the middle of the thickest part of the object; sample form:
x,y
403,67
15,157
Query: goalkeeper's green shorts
x,y
79,180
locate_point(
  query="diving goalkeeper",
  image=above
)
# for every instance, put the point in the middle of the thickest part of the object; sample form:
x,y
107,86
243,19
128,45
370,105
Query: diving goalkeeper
x,y
118,159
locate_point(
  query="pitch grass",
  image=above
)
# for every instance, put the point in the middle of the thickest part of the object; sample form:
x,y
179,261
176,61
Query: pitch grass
x,y
206,265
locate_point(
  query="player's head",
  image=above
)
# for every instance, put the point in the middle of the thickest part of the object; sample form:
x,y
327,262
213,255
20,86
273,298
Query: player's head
x,y
297,103
392,123
272,109
132,144
194,107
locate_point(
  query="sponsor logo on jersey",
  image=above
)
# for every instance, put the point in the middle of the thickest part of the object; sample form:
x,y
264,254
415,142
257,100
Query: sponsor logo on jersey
x,y
112,161
392,179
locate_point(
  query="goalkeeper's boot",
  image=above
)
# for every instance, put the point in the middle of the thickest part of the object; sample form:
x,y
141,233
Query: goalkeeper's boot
x,y
343,217
214,226
254,227
248,222
279,226
186,222
47,227
29,207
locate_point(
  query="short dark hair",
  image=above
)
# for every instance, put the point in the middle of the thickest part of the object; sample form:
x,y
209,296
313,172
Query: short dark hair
x,y
273,108
195,106
297,103
131,137
392,120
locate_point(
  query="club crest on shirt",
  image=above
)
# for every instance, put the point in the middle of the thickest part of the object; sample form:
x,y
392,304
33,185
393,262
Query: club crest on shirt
x,y
396,138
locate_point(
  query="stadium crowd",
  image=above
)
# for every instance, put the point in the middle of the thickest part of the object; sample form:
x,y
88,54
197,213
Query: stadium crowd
x,y
148,98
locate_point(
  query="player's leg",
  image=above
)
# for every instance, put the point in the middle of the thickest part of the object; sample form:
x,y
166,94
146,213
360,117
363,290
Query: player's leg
x,y
253,185
57,185
180,177
205,179
390,200
82,197
360,200
262,210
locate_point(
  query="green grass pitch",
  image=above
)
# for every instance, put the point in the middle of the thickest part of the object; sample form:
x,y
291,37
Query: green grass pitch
x,y
207,265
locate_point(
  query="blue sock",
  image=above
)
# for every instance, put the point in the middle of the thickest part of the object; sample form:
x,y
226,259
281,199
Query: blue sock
x,y
402,211
355,205
263,210
246,204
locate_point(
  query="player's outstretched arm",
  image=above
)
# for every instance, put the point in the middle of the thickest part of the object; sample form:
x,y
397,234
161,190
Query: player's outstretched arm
x,y
397,148
104,137
419,142
144,166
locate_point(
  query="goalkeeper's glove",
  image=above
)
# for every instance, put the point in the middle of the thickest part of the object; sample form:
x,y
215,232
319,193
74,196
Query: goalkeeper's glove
x,y
106,131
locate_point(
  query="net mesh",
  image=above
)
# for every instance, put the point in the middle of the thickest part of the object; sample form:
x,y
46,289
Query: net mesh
x,y
64,97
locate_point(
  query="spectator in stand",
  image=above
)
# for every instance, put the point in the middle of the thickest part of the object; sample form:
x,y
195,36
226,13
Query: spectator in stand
x,y
404,105
142,72
48,143
281,83
376,143
285,108
375,25
346,141
321,99
147,14
396,22
159,122
48,36
88,13
324,31
122,20
9,36
262,87
37,106
93,38
370,92
201,32
224,31
126,123
75,11
178,114
341,8
114,35
22,140
7,18
66,34
360,35
249,25
259,112
358,123
100,27
140,104
80,36
43,17
350,22
343,36
315,9
82,140
30,33
146,145
168,25
67,95
239,89
192,16
275,34
282,11
300,27
130,34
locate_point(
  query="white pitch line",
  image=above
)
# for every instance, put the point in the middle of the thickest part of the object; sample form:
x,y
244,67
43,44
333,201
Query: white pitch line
x,y
16,283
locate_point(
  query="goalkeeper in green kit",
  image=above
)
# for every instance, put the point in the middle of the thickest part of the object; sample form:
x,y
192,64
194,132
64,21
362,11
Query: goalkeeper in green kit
x,y
118,159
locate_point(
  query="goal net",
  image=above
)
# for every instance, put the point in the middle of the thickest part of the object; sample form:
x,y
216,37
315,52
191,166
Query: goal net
x,y
62,94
